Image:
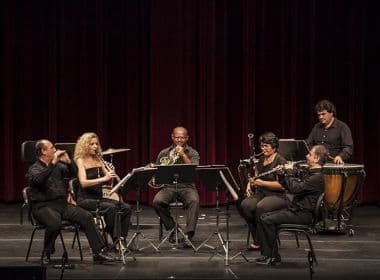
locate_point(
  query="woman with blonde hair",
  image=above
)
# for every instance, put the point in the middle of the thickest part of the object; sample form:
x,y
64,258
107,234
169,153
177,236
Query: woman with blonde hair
x,y
95,178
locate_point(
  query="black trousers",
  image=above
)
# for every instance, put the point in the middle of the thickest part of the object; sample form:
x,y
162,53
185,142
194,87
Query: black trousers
x,y
109,208
190,199
51,214
267,225
254,206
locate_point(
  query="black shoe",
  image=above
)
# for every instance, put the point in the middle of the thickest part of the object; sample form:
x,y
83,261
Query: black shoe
x,y
265,260
45,259
103,256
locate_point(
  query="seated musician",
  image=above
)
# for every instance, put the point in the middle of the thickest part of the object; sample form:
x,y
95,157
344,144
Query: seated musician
x,y
178,153
93,176
332,133
299,210
50,206
266,193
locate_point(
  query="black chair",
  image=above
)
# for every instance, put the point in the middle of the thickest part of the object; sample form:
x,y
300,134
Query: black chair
x,y
98,215
66,225
28,155
305,230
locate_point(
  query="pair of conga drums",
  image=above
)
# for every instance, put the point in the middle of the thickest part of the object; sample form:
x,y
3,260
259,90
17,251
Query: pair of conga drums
x,y
342,184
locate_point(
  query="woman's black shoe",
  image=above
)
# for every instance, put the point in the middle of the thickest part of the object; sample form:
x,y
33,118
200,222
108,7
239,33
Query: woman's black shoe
x,y
45,259
103,256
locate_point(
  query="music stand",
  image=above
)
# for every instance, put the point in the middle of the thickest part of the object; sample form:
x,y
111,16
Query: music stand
x,y
139,178
174,175
292,149
215,177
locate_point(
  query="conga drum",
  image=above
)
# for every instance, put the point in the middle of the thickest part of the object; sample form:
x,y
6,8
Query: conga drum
x,y
342,183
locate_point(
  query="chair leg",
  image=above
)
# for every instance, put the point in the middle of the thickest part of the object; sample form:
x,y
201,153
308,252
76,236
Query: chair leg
x,y
30,244
74,238
314,258
297,240
79,245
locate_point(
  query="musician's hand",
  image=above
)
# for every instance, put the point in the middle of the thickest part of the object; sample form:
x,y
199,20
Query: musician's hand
x,y
58,155
259,183
248,190
65,158
180,150
338,160
289,165
112,174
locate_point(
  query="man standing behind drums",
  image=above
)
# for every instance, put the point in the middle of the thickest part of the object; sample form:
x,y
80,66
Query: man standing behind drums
x,y
332,133
178,153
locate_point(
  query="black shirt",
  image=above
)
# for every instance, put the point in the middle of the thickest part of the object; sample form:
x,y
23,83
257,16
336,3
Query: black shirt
x,y
261,168
191,153
337,139
47,181
307,191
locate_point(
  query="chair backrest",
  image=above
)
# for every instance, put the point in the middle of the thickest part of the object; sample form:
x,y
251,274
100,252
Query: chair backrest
x,y
317,210
27,196
74,186
28,151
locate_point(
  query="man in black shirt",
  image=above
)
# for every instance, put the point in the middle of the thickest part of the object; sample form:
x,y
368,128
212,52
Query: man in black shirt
x,y
49,203
178,153
299,210
332,133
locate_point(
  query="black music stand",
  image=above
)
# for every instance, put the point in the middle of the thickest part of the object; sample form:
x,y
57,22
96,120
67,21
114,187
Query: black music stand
x,y
219,177
292,149
139,178
174,175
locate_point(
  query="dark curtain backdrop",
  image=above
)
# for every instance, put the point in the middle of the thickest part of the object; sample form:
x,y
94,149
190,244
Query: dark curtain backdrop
x,y
133,70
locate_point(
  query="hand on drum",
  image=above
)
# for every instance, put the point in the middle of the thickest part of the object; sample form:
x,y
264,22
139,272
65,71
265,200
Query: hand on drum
x,y
338,160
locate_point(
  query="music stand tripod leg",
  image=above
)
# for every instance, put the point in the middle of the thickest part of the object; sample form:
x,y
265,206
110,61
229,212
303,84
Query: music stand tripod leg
x,y
216,232
119,242
135,238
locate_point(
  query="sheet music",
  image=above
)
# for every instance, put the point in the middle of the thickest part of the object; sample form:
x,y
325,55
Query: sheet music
x,y
123,181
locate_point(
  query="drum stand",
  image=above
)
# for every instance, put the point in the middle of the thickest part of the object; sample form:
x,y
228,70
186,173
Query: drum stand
x,y
135,238
341,226
176,229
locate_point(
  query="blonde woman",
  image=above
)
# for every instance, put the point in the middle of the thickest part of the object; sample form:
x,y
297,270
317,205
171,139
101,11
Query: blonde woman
x,y
93,177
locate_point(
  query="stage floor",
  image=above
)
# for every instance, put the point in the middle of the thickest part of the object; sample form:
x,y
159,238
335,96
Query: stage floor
x,y
339,256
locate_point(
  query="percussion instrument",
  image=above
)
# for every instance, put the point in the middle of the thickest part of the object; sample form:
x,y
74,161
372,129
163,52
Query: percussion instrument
x,y
342,183
112,151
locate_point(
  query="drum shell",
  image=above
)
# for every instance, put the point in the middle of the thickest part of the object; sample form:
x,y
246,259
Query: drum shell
x,y
337,177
